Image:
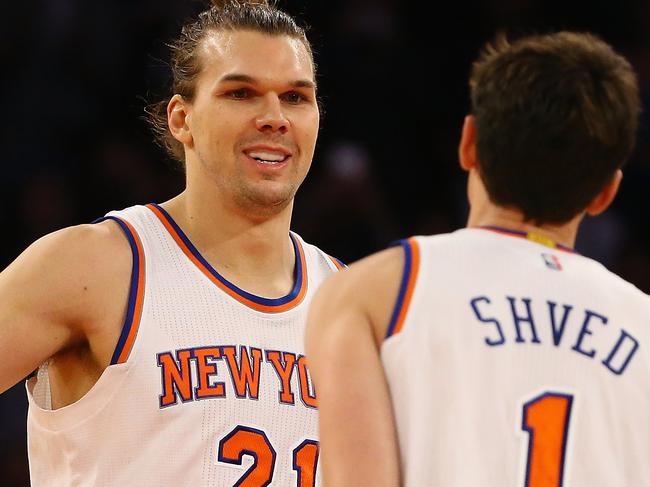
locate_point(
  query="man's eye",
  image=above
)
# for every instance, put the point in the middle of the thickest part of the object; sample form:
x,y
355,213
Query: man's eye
x,y
293,97
240,94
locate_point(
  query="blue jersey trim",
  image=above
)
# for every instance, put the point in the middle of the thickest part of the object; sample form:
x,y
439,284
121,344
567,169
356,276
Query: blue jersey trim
x,y
133,291
406,275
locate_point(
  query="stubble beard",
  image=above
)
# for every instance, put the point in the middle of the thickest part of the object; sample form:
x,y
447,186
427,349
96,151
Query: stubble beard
x,y
268,196
264,202
258,200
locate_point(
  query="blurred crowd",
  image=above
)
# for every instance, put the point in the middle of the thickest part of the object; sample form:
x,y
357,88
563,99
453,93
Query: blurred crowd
x,y
393,82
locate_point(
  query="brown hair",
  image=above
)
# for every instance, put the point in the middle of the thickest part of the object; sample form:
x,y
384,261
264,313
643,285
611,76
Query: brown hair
x,y
229,15
556,115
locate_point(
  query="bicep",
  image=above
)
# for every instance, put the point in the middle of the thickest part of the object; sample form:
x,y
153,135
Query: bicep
x,y
31,324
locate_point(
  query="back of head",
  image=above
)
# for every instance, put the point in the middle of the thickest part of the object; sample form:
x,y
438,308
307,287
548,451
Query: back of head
x,y
555,116
223,15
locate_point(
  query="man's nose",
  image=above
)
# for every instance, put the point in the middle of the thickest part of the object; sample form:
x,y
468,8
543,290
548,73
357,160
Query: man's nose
x,y
272,117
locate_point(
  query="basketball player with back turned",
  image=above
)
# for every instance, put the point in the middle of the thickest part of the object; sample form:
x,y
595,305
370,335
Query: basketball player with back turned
x,y
497,355
169,338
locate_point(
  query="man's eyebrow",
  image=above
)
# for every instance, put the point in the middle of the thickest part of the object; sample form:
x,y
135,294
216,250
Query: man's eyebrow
x,y
244,78
304,83
238,77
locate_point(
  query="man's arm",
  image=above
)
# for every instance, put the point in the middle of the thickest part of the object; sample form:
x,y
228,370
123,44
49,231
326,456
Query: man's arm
x,y
347,323
56,295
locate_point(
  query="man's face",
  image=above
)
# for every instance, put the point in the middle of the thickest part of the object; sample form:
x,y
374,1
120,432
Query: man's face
x,y
254,119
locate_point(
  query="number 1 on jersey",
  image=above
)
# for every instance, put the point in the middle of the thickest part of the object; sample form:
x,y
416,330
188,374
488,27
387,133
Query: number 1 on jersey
x,y
546,419
305,460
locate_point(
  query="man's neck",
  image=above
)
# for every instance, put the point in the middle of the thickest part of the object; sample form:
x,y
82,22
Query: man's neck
x,y
255,254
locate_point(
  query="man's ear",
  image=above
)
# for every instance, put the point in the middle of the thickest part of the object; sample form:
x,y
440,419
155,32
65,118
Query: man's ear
x,y
178,119
606,195
467,146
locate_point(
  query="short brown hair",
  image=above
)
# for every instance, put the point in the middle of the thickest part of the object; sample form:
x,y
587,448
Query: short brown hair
x,y
555,115
224,15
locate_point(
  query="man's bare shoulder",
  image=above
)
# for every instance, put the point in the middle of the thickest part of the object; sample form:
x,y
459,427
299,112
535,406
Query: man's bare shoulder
x,y
79,249
368,288
364,277
71,269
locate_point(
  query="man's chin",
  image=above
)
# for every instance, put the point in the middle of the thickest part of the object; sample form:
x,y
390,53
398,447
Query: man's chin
x,y
267,203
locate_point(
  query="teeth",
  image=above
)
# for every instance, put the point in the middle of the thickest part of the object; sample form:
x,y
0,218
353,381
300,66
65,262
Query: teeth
x,y
268,157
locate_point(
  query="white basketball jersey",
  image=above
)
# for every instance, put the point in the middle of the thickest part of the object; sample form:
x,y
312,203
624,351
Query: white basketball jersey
x,y
513,364
208,385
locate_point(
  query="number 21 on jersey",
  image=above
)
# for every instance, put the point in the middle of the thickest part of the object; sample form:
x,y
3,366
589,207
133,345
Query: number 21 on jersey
x,y
546,420
245,441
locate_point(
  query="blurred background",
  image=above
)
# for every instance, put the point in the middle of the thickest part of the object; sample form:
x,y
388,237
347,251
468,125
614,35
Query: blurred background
x,y
393,81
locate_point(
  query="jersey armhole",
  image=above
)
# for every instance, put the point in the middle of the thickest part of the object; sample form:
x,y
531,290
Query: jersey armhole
x,y
409,276
136,293
338,265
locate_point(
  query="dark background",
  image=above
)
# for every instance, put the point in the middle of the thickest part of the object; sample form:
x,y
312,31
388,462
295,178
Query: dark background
x,y
393,80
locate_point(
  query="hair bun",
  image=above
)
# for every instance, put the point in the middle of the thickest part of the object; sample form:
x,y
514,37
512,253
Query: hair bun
x,y
221,4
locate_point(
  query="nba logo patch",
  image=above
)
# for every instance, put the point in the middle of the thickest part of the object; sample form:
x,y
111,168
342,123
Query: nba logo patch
x,y
552,262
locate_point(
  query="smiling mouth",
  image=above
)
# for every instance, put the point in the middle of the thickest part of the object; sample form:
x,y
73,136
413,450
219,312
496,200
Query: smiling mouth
x,y
268,158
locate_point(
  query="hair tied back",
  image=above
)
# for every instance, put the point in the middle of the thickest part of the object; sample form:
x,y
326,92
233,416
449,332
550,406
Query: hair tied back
x,y
222,4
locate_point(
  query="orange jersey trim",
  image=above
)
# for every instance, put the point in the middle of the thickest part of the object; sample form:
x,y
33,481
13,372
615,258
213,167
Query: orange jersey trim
x,y
337,263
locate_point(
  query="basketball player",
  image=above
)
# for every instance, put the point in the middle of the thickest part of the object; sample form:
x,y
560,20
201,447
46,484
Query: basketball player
x,y
169,338
497,355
